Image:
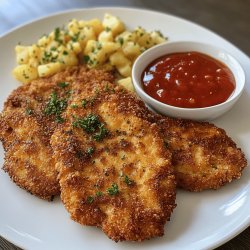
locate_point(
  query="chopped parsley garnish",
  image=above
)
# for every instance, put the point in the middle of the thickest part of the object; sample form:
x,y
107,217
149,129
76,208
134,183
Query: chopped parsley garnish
x,y
90,151
89,123
108,89
107,29
68,93
25,75
98,46
63,84
159,33
65,52
75,37
127,180
48,57
29,111
92,62
166,144
90,199
103,132
54,58
84,103
121,40
86,58
92,125
57,35
99,193
59,119
74,106
55,106
113,190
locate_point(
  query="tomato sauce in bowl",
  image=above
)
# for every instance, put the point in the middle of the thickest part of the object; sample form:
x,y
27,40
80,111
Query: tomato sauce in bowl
x,y
188,80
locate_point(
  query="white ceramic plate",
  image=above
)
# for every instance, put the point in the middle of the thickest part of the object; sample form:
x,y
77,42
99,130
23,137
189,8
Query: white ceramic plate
x,y
200,221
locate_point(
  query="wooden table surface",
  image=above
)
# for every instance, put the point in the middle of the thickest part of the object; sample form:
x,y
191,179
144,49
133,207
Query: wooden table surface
x,y
228,18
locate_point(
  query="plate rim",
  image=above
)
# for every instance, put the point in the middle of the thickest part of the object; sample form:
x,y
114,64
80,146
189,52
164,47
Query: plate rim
x,y
242,225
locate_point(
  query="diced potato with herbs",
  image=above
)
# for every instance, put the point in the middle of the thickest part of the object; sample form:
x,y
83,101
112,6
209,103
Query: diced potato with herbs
x,y
96,24
34,51
74,27
106,36
35,54
121,63
74,47
86,34
103,44
50,69
143,38
59,36
131,50
125,70
114,23
106,66
44,41
69,59
126,83
90,46
25,73
22,54
125,37
97,53
33,62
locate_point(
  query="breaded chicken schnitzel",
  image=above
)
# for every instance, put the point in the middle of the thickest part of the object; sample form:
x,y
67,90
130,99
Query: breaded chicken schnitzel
x,y
204,157
114,171
30,116
117,163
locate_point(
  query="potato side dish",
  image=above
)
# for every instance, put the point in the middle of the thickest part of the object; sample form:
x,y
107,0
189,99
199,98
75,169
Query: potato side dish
x,y
99,44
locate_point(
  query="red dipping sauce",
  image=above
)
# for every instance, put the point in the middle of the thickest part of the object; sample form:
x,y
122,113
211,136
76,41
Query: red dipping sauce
x,y
188,80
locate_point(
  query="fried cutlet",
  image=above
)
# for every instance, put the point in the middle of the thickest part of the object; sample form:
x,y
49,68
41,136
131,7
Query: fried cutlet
x,y
203,156
114,171
30,116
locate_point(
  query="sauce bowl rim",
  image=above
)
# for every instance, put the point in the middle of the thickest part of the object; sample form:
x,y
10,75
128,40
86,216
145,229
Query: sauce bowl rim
x,y
136,72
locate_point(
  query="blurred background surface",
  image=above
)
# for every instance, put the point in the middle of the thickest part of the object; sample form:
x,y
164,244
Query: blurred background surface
x,y
229,18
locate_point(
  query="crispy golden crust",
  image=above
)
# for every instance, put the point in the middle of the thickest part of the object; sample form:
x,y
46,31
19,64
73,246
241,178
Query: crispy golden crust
x,y
28,156
204,157
25,132
132,156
